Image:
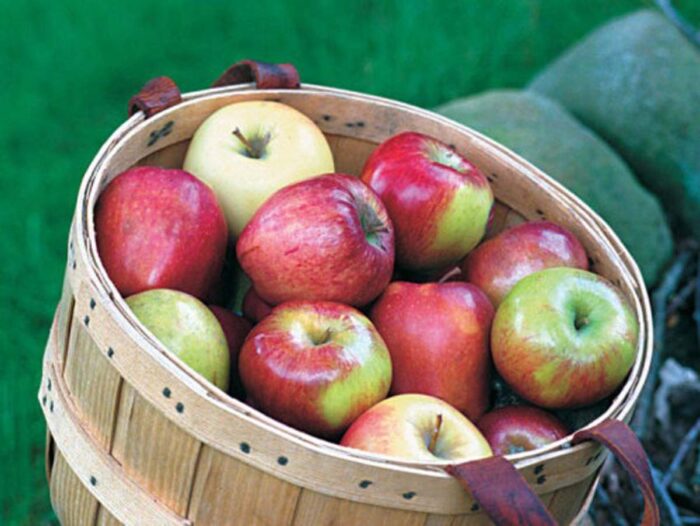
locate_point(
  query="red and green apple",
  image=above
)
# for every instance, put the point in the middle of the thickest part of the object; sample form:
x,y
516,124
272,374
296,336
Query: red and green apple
x,y
564,338
315,366
438,201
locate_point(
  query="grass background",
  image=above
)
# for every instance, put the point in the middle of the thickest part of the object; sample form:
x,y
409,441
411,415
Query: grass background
x,y
69,69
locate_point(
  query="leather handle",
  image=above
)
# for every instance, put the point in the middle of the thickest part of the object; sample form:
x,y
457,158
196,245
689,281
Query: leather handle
x,y
508,500
502,492
161,92
624,444
156,95
265,76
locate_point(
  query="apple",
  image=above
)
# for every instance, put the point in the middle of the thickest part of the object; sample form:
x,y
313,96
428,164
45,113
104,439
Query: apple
x,y
498,264
160,228
564,338
254,307
235,328
418,428
514,429
315,366
246,151
328,238
187,328
438,201
438,338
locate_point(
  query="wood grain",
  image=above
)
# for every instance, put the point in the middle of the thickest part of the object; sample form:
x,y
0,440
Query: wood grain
x,y
226,488
314,508
93,383
72,502
157,454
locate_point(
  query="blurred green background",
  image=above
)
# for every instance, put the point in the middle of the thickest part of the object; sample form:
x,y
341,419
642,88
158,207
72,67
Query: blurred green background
x,y
69,69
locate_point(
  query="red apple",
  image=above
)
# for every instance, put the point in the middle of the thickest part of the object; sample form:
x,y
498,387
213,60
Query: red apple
x,y
564,338
437,335
254,307
514,429
438,201
160,228
315,366
418,428
328,238
235,329
499,263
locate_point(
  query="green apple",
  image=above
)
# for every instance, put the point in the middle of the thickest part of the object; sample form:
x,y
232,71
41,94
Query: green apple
x,y
248,150
564,337
187,328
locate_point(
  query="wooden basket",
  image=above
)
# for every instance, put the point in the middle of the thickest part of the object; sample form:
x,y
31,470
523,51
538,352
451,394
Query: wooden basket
x,y
135,436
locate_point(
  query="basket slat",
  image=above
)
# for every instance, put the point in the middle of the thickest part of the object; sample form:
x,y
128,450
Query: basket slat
x,y
93,383
71,501
225,488
566,503
64,315
92,469
156,453
105,518
477,519
314,508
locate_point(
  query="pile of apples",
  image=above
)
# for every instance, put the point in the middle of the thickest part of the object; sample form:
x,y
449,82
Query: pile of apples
x,y
376,313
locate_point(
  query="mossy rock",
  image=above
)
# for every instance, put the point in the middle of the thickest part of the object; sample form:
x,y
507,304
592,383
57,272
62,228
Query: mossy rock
x,y
636,83
542,132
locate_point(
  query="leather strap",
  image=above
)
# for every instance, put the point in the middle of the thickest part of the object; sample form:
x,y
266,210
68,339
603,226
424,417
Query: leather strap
x,y
156,95
161,92
502,492
624,444
505,496
265,76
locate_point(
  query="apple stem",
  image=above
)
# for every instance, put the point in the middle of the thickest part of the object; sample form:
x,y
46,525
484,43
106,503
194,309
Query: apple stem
x,y
325,338
254,148
375,229
456,271
435,433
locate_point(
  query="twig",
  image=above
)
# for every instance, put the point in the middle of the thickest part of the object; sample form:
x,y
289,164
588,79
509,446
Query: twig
x,y
679,299
683,450
666,501
677,20
696,312
668,286
615,516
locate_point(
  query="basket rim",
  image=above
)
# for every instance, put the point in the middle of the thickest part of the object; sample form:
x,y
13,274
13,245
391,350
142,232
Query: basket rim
x,y
620,407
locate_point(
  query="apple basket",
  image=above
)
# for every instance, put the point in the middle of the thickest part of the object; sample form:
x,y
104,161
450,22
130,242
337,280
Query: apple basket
x,y
136,437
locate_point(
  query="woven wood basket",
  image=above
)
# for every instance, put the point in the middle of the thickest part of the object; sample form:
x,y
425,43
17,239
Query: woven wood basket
x,y
136,437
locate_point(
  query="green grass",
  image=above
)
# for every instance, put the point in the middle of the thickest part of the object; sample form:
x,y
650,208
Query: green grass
x,y
69,69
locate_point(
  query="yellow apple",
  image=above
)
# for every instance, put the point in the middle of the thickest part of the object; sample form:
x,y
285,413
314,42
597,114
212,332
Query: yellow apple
x,y
419,428
248,150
